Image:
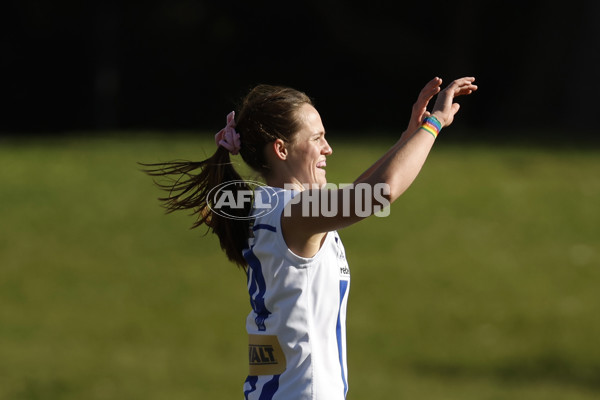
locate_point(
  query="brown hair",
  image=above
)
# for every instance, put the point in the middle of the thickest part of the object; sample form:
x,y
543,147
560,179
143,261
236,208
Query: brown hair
x,y
267,113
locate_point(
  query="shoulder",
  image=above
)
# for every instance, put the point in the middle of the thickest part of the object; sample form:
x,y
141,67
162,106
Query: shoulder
x,y
269,203
267,210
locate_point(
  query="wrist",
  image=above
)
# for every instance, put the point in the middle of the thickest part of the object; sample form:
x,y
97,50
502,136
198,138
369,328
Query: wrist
x,y
432,126
440,117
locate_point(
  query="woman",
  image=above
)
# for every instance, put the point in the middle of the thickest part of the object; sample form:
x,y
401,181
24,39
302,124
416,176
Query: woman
x,y
298,277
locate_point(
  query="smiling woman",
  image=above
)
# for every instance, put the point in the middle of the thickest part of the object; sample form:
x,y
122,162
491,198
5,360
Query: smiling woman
x,y
302,162
298,276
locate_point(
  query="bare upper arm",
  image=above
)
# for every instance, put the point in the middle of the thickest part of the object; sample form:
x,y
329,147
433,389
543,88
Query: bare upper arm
x,y
312,213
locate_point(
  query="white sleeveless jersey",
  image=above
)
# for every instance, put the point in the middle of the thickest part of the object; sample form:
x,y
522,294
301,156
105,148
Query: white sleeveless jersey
x,y
297,326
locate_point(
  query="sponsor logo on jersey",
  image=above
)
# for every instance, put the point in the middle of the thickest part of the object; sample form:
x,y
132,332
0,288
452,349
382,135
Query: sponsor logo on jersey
x,y
261,354
265,355
341,255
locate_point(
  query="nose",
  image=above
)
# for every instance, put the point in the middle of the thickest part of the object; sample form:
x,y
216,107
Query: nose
x,y
327,150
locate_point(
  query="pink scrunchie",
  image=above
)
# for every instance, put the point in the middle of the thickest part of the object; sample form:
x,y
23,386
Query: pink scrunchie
x,y
228,137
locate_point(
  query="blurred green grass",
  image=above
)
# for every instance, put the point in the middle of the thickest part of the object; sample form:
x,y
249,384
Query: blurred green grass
x,y
481,284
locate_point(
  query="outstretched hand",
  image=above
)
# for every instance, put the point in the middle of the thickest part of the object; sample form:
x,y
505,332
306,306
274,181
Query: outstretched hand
x,y
444,107
419,109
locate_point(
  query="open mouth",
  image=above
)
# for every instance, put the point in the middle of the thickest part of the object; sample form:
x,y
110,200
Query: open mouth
x,y
322,164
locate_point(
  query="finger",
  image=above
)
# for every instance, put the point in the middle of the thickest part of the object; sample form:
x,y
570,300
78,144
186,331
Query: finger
x,y
462,82
437,81
465,90
460,87
431,89
466,79
426,94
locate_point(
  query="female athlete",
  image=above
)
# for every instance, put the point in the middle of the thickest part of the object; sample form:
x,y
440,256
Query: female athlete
x,y
295,263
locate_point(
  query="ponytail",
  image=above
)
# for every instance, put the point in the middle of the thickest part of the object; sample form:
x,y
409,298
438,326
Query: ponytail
x,y
188,185
268,113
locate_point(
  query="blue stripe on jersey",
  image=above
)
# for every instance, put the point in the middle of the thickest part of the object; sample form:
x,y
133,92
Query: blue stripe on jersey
x,y
338,328
264,226
257,288
251,380
270,388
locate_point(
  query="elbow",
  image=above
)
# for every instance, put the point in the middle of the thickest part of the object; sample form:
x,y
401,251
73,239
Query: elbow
x,y
395,191
384,192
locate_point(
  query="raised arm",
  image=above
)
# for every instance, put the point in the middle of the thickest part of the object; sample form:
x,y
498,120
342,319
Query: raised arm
x,y
403,165
397,169
419,112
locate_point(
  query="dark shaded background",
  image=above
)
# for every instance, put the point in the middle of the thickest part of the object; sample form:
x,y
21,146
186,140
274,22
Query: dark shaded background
x,y
183,64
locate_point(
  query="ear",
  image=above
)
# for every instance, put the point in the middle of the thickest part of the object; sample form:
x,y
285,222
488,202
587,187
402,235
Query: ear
x,y
280,149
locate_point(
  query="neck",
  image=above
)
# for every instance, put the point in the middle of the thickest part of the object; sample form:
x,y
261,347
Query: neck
x,y
281,182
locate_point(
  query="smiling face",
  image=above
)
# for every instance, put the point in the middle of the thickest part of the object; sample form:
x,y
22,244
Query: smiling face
x,y
308,150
